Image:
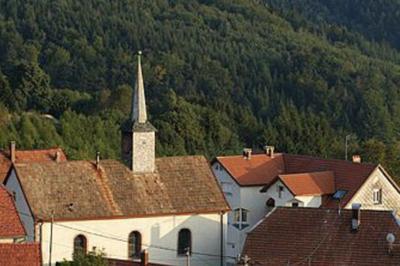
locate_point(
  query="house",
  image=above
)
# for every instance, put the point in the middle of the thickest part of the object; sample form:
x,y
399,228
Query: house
x,y
171,206
24,254
11,228
13,250
25,156
256,183
321,236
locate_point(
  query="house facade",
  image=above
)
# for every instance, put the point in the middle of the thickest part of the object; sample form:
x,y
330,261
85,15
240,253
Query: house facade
x,y
172,207
254,184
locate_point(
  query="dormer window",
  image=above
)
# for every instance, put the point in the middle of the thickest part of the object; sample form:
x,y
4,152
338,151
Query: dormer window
x,y
377,196
240,218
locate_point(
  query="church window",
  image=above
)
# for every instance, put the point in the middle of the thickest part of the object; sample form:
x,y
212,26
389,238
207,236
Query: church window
x,y
184,241
80,244
134,245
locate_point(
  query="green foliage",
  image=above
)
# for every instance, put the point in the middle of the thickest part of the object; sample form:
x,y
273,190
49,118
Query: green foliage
x,y
93,258
219,75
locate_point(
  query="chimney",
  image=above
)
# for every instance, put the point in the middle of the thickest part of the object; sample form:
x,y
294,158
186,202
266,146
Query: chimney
x,y
144,258
247,153
355,216
58,156
12,151
269,150
98,160
356,159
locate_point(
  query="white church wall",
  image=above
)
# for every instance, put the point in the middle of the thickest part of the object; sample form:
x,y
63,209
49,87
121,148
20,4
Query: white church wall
x,y
159,237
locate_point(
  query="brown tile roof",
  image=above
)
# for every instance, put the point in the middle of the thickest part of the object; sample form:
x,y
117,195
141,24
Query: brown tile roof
x,y
349,176
259,170
288,236
180,185
10,223
25,156
314,183
20,254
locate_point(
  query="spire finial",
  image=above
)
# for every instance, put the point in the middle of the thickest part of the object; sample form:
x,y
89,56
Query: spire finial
x,y
139,113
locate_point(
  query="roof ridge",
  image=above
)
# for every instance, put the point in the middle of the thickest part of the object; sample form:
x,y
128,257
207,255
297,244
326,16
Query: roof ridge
x,y
329,159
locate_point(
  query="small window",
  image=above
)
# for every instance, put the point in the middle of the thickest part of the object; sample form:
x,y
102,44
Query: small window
x,y
80,244
184,242
377,196
295,204
240,218
270,203
14,195
134,245
280,191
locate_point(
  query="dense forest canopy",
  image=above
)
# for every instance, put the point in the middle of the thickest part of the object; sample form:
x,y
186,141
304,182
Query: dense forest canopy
x,y
219,75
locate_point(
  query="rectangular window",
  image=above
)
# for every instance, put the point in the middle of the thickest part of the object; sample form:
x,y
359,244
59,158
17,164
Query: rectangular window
x,y
236,216
244,216
377,196
280,191
240,218
295,204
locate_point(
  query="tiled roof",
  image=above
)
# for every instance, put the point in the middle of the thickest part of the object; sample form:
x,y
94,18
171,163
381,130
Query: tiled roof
x,y
20,254
263,170
259,170
349,176
180,185
10,223
313,236
314,183
25,156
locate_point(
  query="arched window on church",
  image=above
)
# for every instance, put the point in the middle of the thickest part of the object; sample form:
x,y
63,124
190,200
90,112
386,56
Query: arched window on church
x,y
80,244
134,245
184,241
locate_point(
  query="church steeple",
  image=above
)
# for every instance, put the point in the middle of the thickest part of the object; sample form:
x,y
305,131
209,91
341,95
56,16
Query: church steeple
x,y
139,112
138,136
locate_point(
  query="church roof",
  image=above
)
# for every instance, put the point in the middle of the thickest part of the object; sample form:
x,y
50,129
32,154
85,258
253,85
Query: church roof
x,y
24,156
76,190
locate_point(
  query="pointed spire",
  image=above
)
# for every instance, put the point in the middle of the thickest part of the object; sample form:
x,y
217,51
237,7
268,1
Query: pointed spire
x,y
139,113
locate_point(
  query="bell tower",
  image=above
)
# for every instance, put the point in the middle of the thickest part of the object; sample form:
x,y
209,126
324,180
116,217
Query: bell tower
x,y
138,134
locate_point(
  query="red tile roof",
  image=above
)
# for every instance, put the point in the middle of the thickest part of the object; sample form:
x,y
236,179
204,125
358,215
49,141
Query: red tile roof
x,y
20,254
10,223
259,170
315,183
263,170
25,156
299,236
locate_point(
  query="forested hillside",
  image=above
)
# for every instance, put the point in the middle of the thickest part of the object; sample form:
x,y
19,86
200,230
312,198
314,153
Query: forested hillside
x,y
219,75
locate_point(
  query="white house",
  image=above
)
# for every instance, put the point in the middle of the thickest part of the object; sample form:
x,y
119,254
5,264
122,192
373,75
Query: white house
x,y
172,206
255,183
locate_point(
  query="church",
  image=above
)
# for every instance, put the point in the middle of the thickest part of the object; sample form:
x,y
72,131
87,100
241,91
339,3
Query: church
x,y
172,207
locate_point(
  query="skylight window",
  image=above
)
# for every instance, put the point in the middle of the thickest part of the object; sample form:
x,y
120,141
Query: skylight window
x,y
339,194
